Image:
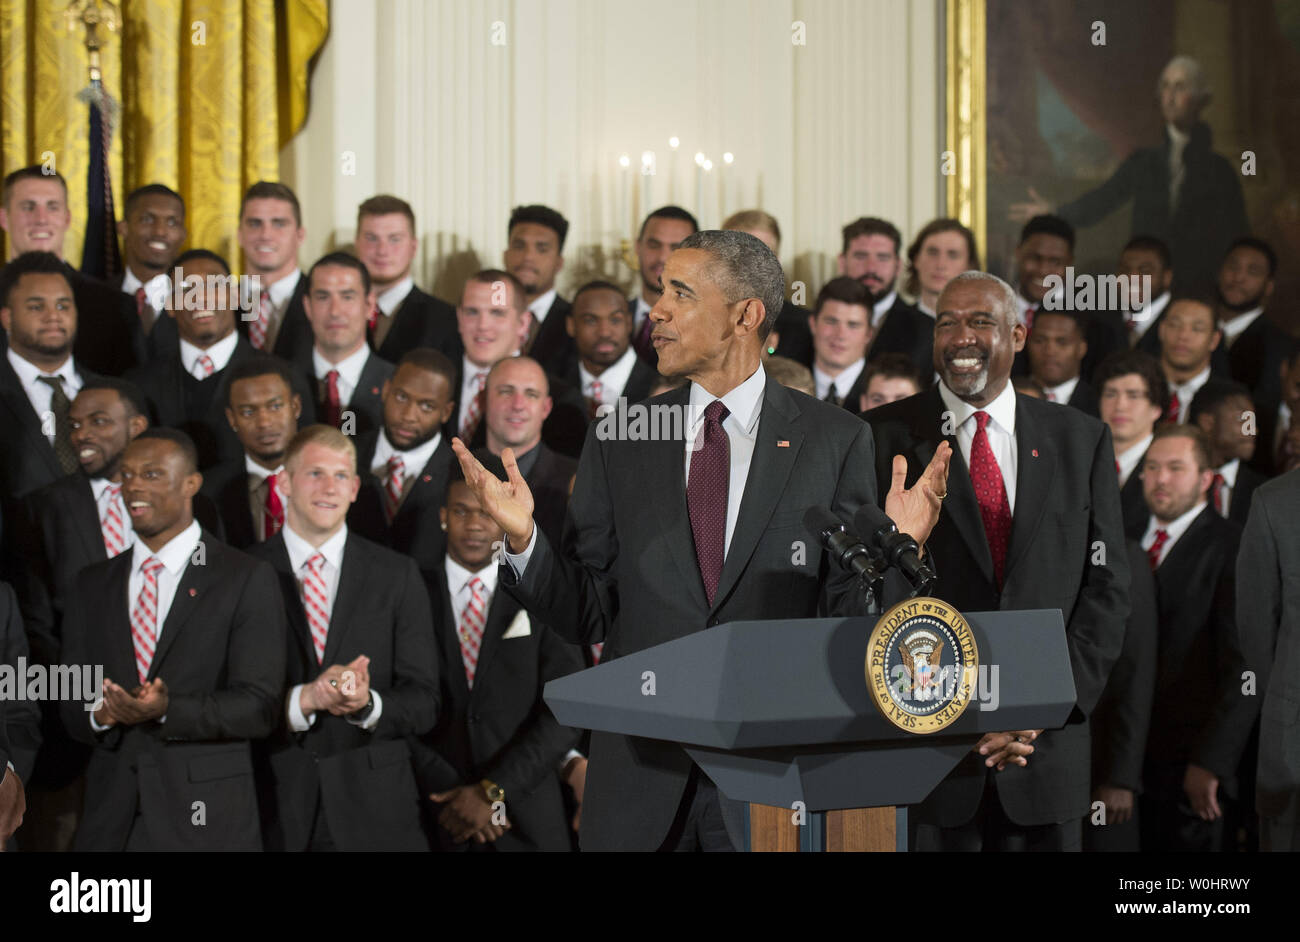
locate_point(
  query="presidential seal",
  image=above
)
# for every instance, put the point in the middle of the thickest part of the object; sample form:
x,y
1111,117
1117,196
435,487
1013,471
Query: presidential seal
x,y
922,665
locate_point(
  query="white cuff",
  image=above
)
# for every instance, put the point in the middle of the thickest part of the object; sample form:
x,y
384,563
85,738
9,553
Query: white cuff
x,y
297,722
371,721
518,562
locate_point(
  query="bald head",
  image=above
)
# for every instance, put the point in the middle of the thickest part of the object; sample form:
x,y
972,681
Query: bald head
x,y
518,396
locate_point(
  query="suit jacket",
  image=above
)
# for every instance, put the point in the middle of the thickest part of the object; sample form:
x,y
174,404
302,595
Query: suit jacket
x,y
20,720
1085,399
1067,500
1123,714
362,779
1133,506
549,479
910,331
626,574
162,338
225,487
106,326
420,321
1255,359
639,383
221,653
551,344
1248,480
295,337
1268,627
366,404
796,338
1198,650
501,729
416,529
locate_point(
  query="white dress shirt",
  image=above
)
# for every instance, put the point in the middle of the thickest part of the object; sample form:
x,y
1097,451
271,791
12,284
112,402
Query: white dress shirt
x,y
929,312
1185,392
1235,326
349,368
156,290
842,383
613,381
1143,318
641,310
541,306
881,308
413,461
219,353
99,488
390,300
40,394
745,406
1000,430
458,578
1063,392
1175,529
1229,472
300,551
1130,459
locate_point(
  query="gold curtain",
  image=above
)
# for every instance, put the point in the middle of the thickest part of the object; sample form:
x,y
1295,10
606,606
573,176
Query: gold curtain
x,y
210,92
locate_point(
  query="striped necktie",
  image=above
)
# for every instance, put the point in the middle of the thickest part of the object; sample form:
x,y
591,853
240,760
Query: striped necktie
x,y
144,617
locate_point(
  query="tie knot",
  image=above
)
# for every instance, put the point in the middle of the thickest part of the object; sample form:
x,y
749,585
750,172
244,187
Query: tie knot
x,y
981,420
151,566
395,463
716,412
139,293
332,377
1219,479
265,296
475,584
479,380
113,490
315,563
1161,536
54,382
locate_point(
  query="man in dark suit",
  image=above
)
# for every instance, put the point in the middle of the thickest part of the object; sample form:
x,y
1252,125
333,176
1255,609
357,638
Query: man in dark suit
x,y
496,740
653,551
1268,626
20,723
1274,450
192,637
264,411
346,374
1256,345
606,367
841,332
1196,741
35,215
363,667
152,229
1121,718
1189,337
1225,413
270,233
404,317
405,465
1056,348
872,254
661,233
535,255
1133,398
1144,257
1027,506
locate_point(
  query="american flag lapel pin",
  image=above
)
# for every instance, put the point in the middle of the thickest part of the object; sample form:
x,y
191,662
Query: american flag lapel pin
x,y
782,443
1034,452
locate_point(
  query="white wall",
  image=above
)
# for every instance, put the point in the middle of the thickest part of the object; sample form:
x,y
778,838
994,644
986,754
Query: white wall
x,y
412,97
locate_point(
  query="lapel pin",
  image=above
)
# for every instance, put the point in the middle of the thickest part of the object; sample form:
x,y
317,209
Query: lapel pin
x,y
374,390
782,443
1034,452
193,592
427,478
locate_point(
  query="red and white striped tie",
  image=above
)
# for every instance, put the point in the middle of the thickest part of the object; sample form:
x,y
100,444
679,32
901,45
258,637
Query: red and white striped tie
x,y
473,618
315,602
596,650
204,367
473,409
596,391
111,522
258,328
393,485
144,617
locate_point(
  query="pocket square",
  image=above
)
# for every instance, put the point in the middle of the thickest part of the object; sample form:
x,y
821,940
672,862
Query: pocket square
x,y
519,628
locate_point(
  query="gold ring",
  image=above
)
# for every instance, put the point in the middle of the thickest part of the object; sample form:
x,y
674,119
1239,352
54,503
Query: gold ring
x,y
942,496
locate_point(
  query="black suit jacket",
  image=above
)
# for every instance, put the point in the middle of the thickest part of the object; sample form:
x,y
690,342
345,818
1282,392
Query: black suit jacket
x,y
1067,501
1085,399
106,326
366,404
1248,479
1198,650
416,529
795,335
20,721
362,779
225,487
501,729
221,654
1123,714
1256,357
548,479
295,337
1133,506
627,575
910,331
420,321
552,346
162,337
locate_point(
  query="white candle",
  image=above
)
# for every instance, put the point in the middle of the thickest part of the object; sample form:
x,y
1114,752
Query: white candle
x,y
673,143
724,183
647,176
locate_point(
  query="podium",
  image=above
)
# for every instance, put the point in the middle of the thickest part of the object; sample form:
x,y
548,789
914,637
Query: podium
x,y
778,714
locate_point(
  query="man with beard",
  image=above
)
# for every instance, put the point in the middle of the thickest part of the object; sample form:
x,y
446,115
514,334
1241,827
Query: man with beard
x,y
871,254
607,368
152,229
535,255
1256,346
1056,348
1031,497
1189,335
661,233
264,412
404,465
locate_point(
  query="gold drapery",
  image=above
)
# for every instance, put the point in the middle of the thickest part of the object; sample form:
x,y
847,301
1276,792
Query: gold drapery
x,y
210,92
966,124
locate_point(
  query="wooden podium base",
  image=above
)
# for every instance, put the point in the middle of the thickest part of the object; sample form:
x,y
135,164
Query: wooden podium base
x,y
773,830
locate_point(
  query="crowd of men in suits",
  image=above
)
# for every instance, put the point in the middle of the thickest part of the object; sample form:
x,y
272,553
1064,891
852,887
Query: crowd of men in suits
x,y
247,507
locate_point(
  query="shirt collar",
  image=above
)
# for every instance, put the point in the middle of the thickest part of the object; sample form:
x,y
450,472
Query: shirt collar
x,y
28,372
920,306
300,550
1175,528
220,353
255,470
842,383
99,485
881,308
349,367
156,288
1064,391
413,461
282,290
1130,459
390,300
1229,472
615,377
1233,327
541,306
1001,410
175,555
743,403
1189,387
458,576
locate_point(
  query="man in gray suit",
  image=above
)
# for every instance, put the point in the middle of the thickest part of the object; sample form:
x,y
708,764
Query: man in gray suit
x,y
1268,625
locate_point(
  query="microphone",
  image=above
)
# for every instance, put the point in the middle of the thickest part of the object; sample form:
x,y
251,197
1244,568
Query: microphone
x,y
845,549
899,549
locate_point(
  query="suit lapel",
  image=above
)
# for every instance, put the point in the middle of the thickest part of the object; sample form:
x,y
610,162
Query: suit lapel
x,y
769,470
666,465
960,506
1035,468
293,595
85,518
450,642
499,615
11,391
191,593
352,584
120,623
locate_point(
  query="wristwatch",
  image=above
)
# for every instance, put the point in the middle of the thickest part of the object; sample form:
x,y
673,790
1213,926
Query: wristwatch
x,y
492,790
363,714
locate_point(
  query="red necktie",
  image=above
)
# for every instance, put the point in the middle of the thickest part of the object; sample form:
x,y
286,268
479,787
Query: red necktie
x,y
144,617
393,485
595,652
706,496
373,318
991,492
315,603
273,517
593,401
333,406
111,522
1049,395
1175,408
143,310
473,618
1116,467
1216,492
1153,554
474,409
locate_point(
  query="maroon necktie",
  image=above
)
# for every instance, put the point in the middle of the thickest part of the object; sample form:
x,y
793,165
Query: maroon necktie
x,y
1153,553
991,492
1175,407
706,496
333,404
641,342
1216,492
